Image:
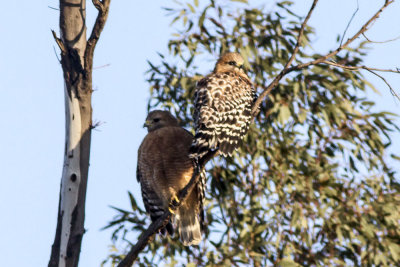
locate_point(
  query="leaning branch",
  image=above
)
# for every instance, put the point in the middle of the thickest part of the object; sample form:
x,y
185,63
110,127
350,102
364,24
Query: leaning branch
x,y
275,82
144,239
287,69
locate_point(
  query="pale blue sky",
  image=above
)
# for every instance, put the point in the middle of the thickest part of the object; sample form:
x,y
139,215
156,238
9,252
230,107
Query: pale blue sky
x,y
32,111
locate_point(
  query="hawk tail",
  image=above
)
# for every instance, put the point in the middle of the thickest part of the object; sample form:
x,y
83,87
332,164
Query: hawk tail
x,y
188,226
226,148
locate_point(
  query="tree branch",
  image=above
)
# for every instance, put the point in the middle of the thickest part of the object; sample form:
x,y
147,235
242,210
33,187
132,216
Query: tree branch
x,y
287,69
103,7
348,24
144,239
275,82
59,42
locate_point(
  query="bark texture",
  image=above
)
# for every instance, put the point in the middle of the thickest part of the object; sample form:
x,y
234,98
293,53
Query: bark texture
x,y
76,61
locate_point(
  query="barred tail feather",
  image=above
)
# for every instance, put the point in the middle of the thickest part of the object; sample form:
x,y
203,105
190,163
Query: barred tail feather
x,y
188,227
226,148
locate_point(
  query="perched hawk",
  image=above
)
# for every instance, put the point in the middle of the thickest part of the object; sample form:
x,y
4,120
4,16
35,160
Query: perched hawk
x,y
163,169
222,107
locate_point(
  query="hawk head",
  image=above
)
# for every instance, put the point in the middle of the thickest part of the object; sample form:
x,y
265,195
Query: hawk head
x,y
158,119
230,62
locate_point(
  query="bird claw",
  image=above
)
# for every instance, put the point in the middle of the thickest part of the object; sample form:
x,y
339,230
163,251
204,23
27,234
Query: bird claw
x,y
171,210
173,204
175,201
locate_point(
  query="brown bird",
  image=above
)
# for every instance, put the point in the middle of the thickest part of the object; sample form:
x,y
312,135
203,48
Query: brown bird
x,y
163,169
222,107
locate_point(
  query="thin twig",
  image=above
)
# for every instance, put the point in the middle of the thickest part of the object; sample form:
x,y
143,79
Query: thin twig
x,y
55,52
384,80
358,67
102,66
53,8
348,24
301,33
59,42
381,42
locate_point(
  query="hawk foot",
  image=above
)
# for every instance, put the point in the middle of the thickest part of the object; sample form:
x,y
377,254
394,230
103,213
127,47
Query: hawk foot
x,y
174,203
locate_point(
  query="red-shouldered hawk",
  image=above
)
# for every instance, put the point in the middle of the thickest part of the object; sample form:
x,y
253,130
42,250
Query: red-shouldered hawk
x,y
163,169
222,107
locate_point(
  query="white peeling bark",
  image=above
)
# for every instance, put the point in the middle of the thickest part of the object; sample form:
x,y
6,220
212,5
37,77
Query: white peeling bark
x,y
71,175
77,65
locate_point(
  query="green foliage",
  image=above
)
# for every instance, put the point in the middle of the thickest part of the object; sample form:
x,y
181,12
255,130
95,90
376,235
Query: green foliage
x,y
311,185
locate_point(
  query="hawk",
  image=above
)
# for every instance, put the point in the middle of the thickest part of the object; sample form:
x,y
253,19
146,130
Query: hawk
x,y
163,169
222,107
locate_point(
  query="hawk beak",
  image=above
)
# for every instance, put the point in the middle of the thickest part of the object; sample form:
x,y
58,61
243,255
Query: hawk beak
x,y
146,124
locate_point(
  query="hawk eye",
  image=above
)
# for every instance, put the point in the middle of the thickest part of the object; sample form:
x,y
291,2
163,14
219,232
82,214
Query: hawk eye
x,y
156,120
232,63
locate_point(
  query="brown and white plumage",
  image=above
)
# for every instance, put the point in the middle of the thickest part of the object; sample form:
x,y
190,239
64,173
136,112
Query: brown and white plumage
x,y
223,102
163,169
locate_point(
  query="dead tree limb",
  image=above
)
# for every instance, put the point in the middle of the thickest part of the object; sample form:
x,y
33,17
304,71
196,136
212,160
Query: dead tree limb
x,y
76,62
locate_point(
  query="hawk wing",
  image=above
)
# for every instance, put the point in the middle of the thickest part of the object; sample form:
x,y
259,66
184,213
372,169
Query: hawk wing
x,y
222,113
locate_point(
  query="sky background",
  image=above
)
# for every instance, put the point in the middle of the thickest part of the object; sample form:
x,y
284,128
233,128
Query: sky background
x,y
32,110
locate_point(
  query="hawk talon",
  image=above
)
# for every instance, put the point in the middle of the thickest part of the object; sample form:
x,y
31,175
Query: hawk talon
x,y
171,210
175,201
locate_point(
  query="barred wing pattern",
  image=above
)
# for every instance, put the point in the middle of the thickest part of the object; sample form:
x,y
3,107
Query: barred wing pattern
x,y
222,114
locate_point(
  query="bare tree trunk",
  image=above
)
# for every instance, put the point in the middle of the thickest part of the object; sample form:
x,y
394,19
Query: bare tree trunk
x,y
76,61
